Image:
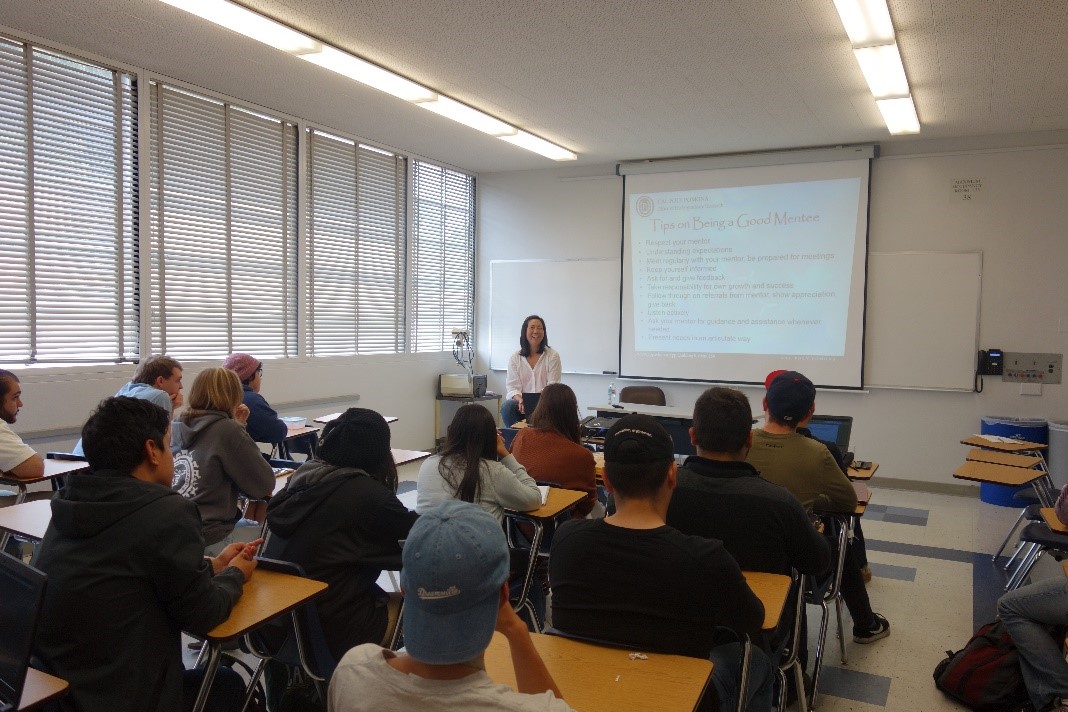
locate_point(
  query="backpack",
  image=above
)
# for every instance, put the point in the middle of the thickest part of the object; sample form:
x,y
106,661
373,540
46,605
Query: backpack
x,y
985,673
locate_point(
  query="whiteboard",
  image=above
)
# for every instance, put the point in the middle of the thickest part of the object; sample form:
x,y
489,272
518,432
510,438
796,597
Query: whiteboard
x,y
922,319
578,299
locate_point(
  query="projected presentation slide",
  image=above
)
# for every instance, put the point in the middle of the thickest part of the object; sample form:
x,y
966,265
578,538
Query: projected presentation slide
x,y
753,268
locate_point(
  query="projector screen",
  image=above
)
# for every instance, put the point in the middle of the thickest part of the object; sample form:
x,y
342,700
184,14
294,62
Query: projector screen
x,y
731,273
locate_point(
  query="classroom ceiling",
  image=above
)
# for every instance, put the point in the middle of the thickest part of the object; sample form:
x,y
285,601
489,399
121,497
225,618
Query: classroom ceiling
x,y
609,79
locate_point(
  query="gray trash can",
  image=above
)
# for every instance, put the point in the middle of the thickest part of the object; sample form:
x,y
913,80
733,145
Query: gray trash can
x,y
1058,452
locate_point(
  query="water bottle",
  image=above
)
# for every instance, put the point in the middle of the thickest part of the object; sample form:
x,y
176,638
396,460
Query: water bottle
x,y
611,394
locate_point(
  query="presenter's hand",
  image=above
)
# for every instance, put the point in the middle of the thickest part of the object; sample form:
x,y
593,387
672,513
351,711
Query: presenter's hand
x,y
502,451
522,408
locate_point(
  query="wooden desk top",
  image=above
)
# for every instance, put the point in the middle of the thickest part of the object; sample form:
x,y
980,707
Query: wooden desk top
x,y
557,502
402,457
772,590
267,595
29,519
594,677
1016,446
52,468
997,474
598,463
302,430
40,689
1049,515
996,457
855,474
324,419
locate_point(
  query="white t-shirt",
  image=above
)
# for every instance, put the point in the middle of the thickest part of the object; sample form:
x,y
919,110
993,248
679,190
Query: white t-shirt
x,y
365,681
524,379
13,452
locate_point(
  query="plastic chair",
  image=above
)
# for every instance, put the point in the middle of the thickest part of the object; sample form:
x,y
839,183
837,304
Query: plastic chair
x,y
646,395
296,640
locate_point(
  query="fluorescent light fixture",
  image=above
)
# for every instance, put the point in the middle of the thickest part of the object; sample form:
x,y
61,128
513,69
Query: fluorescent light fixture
x,y
540,145
248,23
452,109
866,21
883,70
263,29
372,75
899,115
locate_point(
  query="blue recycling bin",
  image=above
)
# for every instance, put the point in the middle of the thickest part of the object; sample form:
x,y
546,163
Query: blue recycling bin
x,y
1033,430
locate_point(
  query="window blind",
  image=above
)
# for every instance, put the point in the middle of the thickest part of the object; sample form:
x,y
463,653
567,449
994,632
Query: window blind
x,y
443,242
356,227
223,228
68,248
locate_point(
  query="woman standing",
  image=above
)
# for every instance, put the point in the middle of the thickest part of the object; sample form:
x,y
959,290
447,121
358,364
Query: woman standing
x,y
530,369
550,447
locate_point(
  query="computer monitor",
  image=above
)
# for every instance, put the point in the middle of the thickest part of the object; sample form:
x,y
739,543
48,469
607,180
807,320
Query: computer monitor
x,y
21,592
832,428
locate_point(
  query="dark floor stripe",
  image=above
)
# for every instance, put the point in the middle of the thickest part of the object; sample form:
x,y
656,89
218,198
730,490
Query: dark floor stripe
x,y
927,552
854,685
890,571
405,487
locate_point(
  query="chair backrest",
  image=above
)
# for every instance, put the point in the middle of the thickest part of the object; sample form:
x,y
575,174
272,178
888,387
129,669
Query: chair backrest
x,y
21,592
646,395
296,640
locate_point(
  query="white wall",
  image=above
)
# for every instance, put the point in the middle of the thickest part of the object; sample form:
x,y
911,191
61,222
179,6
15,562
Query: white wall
x,y
59,399
1018,222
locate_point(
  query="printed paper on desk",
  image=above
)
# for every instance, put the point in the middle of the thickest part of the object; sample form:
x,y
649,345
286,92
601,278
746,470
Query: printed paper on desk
x,y
544,492
995,438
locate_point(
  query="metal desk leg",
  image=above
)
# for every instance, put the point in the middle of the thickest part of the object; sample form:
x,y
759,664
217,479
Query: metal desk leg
x,y
532,563
214,653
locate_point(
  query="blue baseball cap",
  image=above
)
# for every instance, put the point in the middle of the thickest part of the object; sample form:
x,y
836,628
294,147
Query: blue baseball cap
x,y
455,561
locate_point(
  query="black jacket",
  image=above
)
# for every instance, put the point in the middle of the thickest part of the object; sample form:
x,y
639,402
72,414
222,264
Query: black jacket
x,y
343,527
126,573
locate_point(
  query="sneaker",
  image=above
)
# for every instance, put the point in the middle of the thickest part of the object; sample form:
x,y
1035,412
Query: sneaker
x,y
866,573
880,630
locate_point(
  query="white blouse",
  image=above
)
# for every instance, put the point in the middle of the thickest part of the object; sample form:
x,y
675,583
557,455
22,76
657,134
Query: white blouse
x,y
524,379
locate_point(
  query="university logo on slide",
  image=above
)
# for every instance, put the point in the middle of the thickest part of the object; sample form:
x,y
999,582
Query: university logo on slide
x,y
186,474
644,206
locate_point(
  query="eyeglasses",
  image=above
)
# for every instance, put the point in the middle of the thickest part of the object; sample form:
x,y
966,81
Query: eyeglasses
x,y
259,370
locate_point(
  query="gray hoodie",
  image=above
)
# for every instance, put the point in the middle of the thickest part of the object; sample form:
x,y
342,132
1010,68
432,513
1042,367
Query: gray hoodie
x,y
214,460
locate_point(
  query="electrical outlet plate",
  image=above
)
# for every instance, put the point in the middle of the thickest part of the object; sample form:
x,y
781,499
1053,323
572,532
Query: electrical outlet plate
x,y
1032,368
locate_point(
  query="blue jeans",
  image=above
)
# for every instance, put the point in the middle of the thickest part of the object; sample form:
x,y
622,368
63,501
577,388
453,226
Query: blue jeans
x,y
727,667
1028,613
510,414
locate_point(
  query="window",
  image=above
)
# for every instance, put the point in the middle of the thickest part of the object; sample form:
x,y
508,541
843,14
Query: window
x,y
442,264
223,228
356,223
68,257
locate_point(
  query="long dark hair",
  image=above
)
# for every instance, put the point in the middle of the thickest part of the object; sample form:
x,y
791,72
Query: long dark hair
x,y
524,345
471,436
557,411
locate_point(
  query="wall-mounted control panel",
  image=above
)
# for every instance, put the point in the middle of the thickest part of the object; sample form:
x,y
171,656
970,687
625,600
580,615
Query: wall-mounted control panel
x,y
1032,368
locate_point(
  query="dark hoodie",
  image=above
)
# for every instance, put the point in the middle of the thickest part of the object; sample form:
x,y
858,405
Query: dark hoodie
x,y
126,573
214,460
342,526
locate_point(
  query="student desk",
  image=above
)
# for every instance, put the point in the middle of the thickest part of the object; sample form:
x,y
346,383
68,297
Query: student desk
x,y
856,474
1016,446
52,468
594,677
558,502
996,457
1009,476
267,595
40,689
863,497
1049,516
28,520
324,419
772,590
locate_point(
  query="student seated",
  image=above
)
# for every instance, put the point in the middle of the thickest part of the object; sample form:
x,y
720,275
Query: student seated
x,y
263,423
806,468
126,573
17,459
632,580
468,469
456,594
339,518
215,460
550,448
158,380
1029,613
